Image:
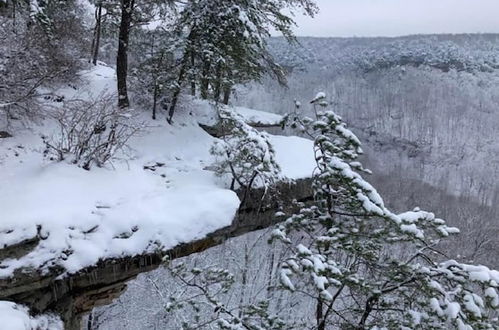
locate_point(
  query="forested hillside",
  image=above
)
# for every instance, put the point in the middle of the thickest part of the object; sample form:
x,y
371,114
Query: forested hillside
x,y
420,122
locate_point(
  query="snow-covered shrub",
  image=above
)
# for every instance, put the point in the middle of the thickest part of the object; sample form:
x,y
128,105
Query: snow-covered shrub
x,y
90,132
243,152
366,267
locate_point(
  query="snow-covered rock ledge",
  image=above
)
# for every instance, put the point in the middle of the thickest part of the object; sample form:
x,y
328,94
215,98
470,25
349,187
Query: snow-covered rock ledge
x,y
209,121
71,238
73,295
156,194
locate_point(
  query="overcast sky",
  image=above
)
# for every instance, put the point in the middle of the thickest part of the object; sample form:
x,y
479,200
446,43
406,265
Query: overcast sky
x,y
345,18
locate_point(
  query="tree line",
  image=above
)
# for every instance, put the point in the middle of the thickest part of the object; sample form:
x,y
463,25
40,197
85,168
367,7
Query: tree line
x,y
161,47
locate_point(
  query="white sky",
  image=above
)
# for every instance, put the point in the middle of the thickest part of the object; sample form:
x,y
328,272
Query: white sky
x,y
345,18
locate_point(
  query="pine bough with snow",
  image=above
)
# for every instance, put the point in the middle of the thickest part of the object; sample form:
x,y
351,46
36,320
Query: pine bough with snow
x,y
368,268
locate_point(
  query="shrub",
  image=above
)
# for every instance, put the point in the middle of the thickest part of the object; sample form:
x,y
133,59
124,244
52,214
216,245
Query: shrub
x,y
90,133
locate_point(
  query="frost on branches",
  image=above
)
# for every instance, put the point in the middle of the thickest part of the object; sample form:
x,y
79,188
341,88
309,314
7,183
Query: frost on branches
x,y
244,153
368,268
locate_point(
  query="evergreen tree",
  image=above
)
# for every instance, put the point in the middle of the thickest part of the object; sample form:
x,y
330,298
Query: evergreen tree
x,y
152,76
368,268
224,43
132,13
244,153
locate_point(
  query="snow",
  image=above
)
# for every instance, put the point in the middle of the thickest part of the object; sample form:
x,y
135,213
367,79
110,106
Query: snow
x,y
435,306
471,305
295,155
453,310
302,249
320,282
319,97
259,118
16,317
207,115
285,280
156,195
477,273
326,295
491,294
69,202
347,134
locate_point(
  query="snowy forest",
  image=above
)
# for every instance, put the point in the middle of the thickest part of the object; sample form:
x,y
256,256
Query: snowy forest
x,y
196,165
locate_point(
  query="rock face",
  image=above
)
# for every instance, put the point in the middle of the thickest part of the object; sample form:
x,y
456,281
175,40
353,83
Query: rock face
x,y
75,295
4,135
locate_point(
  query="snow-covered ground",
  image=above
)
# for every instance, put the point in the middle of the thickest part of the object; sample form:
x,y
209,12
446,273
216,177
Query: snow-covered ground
x,y
259,118
208,116
155,196
16,317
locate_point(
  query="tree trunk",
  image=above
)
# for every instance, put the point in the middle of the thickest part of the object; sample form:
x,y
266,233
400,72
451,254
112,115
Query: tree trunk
x,y
155,100
178,88
371,301
218,85
181,76
94,36
193,78
227,91
319,315
122,57
205,81
244,278
96,41
14,9
90,321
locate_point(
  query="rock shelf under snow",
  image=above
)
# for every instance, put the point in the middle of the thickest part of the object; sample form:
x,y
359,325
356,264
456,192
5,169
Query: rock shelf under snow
x,y
155,196
206,115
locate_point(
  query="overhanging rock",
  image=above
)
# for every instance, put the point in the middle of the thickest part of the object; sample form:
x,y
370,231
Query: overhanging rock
x,y
72,296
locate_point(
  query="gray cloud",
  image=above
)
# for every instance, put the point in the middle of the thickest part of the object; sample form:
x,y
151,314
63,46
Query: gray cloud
x,y
400,17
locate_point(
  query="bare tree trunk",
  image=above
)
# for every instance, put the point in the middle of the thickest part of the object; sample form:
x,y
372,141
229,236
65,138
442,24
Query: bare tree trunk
x,y
122,57
92,46
155,77
97,33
